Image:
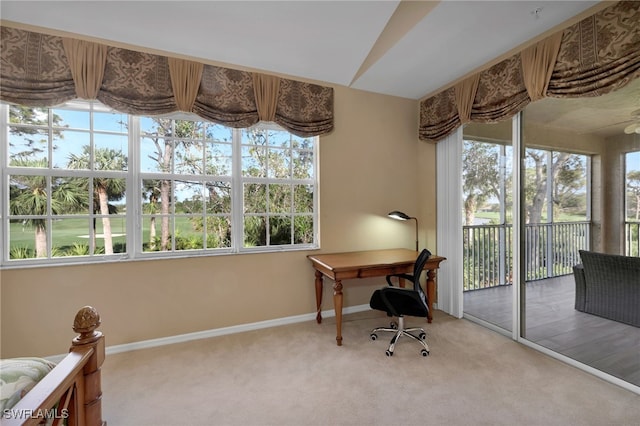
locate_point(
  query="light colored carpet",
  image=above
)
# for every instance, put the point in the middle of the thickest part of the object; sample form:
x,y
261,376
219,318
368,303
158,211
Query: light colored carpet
x,y
296,375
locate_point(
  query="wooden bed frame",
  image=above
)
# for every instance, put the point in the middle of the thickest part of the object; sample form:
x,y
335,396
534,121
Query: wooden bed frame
x,y
74,384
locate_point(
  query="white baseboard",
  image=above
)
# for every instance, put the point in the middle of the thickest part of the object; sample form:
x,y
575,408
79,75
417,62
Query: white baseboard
x,y
205,334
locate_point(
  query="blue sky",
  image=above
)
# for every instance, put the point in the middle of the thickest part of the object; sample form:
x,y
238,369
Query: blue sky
x,y
633,161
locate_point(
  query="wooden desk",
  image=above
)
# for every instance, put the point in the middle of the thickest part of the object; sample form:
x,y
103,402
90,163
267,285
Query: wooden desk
x,y
366,264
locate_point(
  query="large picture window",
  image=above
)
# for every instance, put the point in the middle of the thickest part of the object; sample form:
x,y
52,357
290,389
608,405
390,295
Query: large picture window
x,y
81,181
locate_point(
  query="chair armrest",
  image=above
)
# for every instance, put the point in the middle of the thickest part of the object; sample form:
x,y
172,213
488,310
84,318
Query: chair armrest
x,y
581,287
403,276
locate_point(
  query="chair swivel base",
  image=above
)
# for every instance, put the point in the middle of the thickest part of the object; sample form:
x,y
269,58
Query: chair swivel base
x,y
400,331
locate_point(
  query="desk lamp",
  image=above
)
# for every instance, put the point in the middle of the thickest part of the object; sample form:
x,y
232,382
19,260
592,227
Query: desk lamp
x,y
403,216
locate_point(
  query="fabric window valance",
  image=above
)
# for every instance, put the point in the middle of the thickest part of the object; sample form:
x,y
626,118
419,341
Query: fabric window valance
x,y
593,57
42,70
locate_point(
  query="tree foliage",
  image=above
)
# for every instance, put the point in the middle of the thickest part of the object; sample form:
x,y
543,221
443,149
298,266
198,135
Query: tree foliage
x,y
633,194
565,173
480,176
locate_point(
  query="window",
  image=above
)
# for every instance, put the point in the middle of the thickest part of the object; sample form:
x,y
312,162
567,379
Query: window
x,y
556,189
86,182
186,176
556,186
632,204
66,176
278,188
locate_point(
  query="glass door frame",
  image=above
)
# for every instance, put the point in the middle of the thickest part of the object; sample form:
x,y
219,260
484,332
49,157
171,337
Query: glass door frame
x,y
449,244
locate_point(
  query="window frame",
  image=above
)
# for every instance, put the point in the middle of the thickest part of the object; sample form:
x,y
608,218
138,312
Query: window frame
x,y
133,215
630,247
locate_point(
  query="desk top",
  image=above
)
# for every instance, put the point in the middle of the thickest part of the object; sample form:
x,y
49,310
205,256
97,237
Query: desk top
x,y
347,261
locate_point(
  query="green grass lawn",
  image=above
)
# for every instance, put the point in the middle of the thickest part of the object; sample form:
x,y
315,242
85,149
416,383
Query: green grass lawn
x,y
494,216
69,232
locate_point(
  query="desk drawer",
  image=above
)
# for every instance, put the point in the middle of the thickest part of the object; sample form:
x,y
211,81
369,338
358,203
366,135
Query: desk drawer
x,y
381,272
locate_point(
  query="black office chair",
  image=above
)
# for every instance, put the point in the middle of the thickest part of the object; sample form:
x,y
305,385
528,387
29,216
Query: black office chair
x,y
398,302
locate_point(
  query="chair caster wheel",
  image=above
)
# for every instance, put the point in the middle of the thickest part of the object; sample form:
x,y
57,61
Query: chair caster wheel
x,y
389,353
424,352
423,336
373,336
393,325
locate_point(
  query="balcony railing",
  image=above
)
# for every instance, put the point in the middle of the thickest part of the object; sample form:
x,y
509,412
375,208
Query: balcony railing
x,y
632,238
551,250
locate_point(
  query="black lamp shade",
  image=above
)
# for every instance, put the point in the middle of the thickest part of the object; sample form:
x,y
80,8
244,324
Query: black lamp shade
x,y
399,215
403,216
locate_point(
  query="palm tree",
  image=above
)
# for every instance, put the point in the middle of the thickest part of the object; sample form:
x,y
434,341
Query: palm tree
x,y
30,197
105,189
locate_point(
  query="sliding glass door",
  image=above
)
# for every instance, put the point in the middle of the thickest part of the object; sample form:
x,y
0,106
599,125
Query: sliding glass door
x,y
487,223
556,225
576,188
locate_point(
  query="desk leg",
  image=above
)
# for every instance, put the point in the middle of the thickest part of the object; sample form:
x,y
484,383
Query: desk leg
x,y
431,292
337,305
318,297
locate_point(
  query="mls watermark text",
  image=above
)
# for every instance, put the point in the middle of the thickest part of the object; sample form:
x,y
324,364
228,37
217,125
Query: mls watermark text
x,y
24,414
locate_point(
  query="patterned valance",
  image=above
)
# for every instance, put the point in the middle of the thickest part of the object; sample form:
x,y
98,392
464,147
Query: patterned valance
x,y
42,70
597,55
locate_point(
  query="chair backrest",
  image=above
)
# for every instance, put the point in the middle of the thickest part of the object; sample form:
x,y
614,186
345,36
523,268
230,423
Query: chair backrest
x,y
419,266
609,270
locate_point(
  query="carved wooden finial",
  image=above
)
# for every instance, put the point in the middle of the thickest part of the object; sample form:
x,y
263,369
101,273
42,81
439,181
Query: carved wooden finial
x,y
85,323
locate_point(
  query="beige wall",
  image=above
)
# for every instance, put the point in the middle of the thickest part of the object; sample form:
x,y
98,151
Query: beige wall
x,y
370,164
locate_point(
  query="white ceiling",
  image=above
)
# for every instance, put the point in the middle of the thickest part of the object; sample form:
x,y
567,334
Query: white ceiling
x,y
360,43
